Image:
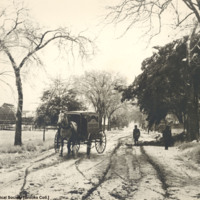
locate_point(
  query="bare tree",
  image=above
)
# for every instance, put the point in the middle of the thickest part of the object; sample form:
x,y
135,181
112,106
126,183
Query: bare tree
x,y
114,103
99,87
151,13
21,41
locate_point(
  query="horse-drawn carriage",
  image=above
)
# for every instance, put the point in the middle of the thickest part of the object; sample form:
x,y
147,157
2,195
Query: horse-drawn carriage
x,y
84,128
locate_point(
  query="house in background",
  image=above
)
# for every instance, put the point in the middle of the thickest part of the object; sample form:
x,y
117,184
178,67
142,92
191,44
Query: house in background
x,y
8,119
28,120
7,116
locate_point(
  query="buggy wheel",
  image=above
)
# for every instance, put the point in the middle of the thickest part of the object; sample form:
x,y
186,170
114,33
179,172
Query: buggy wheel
x,y
100,142
57,143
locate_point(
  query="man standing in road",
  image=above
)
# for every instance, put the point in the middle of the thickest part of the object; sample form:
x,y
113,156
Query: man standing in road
x,y
136,135
167,136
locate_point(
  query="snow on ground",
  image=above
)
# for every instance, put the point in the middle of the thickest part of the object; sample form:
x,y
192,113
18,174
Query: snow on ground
x,y
121,172
180,174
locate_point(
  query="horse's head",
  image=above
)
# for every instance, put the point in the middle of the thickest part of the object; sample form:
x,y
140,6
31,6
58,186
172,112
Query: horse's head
x,y
62,119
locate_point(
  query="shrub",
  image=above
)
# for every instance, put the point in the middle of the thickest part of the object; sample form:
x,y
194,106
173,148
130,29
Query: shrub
x,y
1,164
47,146
29,147
191,151
11,149
179,138
195,154
188,145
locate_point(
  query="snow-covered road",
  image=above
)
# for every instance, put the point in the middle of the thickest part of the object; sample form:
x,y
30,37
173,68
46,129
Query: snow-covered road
x,y
123,171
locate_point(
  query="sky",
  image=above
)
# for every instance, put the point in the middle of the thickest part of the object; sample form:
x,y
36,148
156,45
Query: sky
x,y
115,54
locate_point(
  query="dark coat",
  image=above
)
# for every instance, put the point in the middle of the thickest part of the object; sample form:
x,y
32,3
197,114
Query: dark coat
x,y
167,136
136,133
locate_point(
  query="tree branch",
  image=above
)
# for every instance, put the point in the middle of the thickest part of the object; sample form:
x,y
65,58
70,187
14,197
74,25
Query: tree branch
x,y
6,50
45,39
192,7
16,22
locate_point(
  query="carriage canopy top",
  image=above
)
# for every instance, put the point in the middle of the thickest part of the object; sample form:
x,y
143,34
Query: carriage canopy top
x,y
81,113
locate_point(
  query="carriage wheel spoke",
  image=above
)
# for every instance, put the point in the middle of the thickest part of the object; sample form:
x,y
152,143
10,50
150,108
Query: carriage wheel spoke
x,y
100,143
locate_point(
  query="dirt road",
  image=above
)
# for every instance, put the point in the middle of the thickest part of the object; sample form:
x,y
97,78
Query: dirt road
x,y
123,171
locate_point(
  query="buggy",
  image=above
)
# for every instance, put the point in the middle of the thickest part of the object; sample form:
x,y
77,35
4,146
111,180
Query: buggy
x,y
88,131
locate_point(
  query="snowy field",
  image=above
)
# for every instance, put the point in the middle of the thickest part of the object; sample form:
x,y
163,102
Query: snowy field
x,y
7,137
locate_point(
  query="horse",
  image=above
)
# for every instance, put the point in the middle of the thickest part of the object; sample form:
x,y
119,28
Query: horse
x,y
67,131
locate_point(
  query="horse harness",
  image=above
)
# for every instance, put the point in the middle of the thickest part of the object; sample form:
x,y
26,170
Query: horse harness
x,y
64,125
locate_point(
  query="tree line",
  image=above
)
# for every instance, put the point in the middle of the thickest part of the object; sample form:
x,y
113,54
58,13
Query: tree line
x,y
169,85
169,82
21,43
95,90
169,78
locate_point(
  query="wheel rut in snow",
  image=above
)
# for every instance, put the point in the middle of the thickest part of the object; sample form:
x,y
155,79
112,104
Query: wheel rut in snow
x,y
103,177
23,193
159,170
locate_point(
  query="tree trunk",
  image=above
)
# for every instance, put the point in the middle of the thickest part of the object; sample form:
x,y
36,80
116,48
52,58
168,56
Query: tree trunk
x,y
18,128
192,116
192,108
100,121
44,129
184,122
109,125
104,123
